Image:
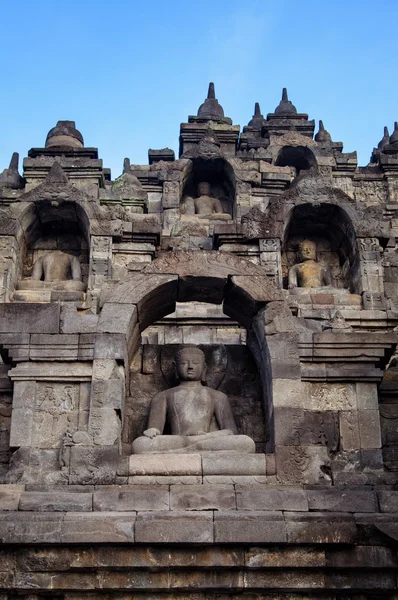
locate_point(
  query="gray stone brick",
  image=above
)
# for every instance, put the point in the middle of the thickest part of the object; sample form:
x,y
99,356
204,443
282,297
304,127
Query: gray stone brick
x,y
249,527
202,497
233,464
265,498
320,528
127,499
342,500
98,527
165,464
388,501
55,501
174,527
369,428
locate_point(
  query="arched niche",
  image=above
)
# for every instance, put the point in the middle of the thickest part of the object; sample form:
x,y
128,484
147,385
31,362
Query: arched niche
x,y
330,227
53,225
242,297
300,157
219,174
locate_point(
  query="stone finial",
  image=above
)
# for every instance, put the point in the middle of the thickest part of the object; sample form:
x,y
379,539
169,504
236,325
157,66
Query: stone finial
x,y
257,120
126,165
285,107
385,140
10,178
323,136
65,134
394,136
56,174
211,109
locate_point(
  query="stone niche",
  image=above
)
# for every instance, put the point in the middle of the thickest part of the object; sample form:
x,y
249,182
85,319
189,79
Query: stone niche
x,y
219,174
230,369
61,231
329,227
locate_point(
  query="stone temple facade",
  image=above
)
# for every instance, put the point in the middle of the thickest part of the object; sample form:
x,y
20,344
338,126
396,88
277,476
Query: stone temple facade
x,y
134,466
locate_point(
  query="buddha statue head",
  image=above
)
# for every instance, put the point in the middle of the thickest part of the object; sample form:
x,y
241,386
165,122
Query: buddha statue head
x,y
307,250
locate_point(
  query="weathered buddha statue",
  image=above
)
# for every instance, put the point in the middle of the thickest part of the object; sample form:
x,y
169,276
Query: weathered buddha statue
x,y
205,206
56,271
191,409
309,273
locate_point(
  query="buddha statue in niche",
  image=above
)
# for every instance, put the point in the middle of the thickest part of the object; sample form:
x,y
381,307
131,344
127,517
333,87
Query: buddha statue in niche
x,y
55,270
205,206
191,408
309,273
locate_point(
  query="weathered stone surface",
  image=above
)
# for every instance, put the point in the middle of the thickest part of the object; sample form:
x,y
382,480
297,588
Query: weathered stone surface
x,y
117,318
57,501
236,464
10,496
298,427
302,464
140,498
165,464
174,527
388,501
285,557
97,527
249,527
32,318
369,428
31,528
342,500
320,528
202,497
270,499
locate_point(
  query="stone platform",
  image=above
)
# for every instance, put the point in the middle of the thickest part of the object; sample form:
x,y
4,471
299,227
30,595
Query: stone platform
x,y
98,540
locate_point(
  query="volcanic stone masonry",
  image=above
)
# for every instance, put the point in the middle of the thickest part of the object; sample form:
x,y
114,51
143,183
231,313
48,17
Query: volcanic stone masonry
x,y
199,385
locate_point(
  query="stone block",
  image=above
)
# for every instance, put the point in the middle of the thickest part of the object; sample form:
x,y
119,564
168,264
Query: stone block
x,y
71,321
249,527
131,498
165,480
271,499
291,393
110,345
367,398
293,580
333,396
285,558
98,527
298,427
302,464
369,428
93,465
343,500
202,497
349,430
165,464
31,528
388,501
56,501
171,194
371,557
174,527
286,369
117,318
216,463
9,496
29,318
320,528
235,479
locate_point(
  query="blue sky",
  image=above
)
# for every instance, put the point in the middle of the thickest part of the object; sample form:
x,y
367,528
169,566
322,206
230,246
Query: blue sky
x,y
130,72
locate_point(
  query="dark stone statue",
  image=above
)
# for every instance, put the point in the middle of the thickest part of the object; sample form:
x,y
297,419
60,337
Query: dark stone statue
x,y
190,408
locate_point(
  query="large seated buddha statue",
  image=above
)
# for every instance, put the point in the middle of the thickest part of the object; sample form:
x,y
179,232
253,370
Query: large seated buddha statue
x,y
57,271
309,273
191,409
205,206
